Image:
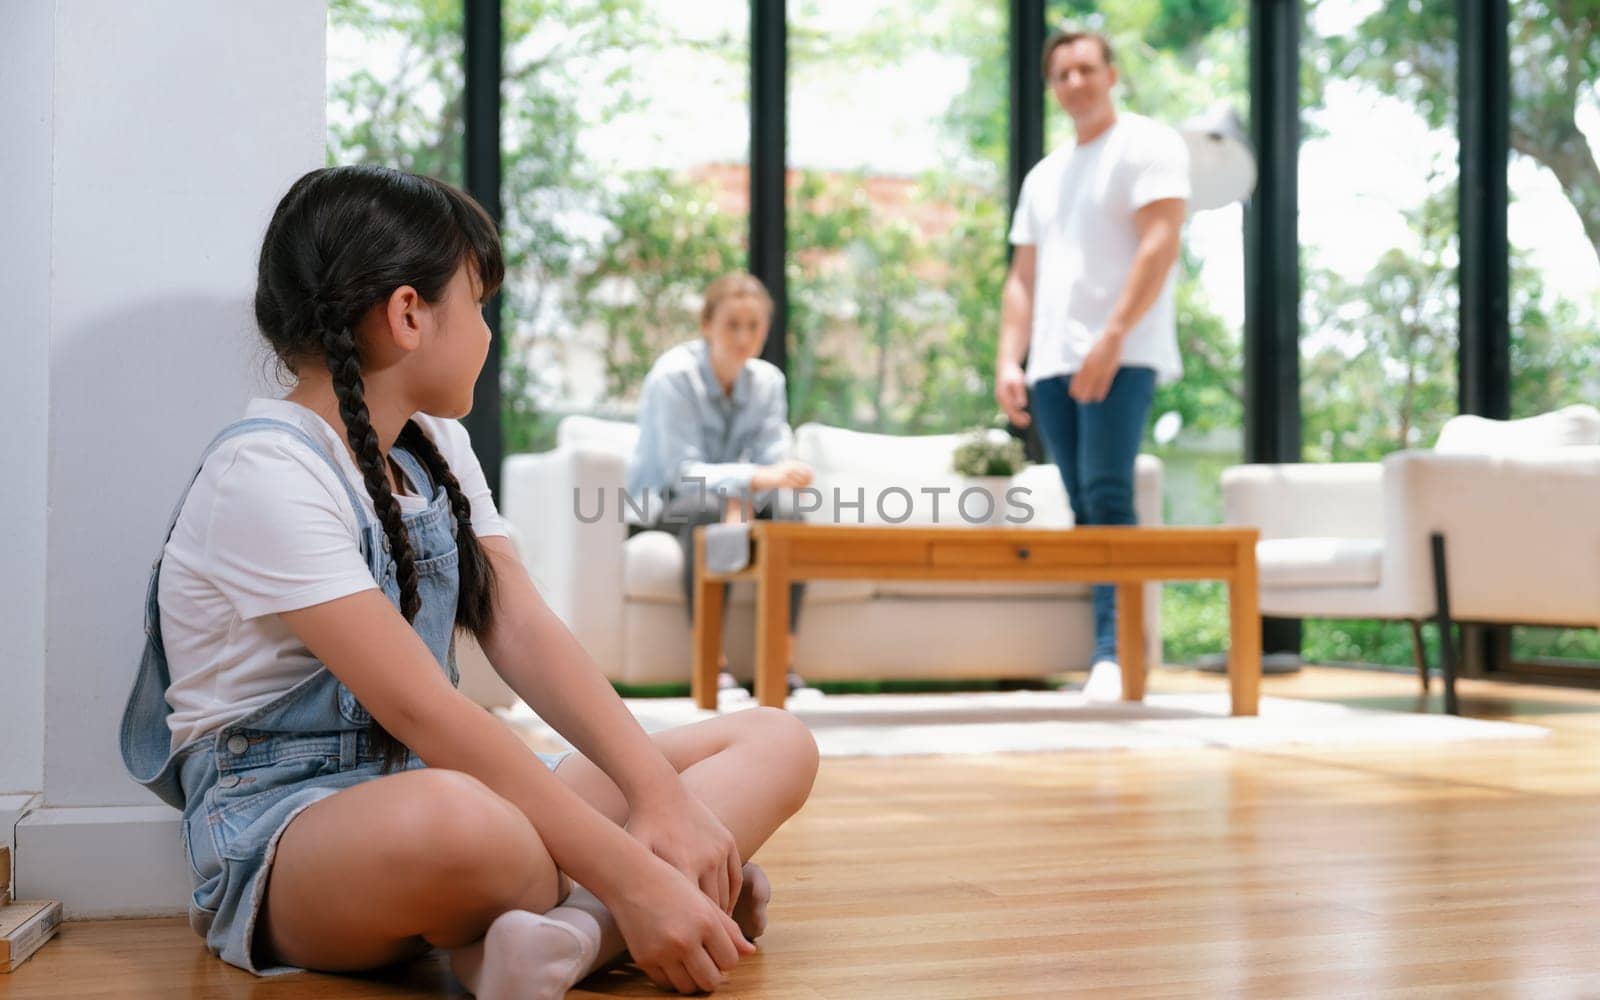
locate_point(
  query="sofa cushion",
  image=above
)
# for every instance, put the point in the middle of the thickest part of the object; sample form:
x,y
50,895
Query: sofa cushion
x,y
617,436
907,479
1564,428
1320,562
886,474
1045,496
652,570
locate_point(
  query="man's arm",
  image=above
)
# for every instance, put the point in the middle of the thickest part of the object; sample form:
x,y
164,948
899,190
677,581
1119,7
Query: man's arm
x,y
1016,328
1159,225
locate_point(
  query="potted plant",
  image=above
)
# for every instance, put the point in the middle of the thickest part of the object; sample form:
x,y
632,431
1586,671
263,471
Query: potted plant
x,y
987,459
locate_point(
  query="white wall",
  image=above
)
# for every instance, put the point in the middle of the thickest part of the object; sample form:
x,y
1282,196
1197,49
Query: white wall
x,y
177,126
25,80
145,146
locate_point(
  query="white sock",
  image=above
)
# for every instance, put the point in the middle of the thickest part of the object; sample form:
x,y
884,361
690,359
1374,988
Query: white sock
x,y
750,912
526,956
529,956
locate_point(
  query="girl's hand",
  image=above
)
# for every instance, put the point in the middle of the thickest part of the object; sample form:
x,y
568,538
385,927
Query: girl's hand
x,y
686,835
675,935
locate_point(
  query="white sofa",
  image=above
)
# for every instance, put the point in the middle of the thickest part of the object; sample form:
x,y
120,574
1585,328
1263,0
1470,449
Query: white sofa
x,y
623,597
1514,505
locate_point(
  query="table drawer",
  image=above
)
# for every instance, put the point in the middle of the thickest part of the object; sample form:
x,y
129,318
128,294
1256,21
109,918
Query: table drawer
x,y
840,552
975,553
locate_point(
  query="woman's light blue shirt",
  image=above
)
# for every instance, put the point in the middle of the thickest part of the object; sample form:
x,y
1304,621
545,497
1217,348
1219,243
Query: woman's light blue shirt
x,y
694,437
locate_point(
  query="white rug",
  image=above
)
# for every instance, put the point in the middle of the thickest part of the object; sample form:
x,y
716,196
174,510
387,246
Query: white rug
x,y
896,725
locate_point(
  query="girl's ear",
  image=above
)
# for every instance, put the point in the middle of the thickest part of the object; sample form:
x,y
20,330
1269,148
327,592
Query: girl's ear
x,y
404,318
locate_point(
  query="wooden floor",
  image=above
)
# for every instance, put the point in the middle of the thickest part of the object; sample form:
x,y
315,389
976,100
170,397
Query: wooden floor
x,y
1468,870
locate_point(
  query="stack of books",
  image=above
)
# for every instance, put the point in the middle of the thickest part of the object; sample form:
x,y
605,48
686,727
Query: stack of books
x,y
24,925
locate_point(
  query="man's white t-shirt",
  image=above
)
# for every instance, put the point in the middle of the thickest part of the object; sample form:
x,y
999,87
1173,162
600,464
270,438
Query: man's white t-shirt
x,y
1077,207
269,528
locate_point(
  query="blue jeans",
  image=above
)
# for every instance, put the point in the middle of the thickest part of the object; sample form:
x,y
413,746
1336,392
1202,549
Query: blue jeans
x,y
1094,445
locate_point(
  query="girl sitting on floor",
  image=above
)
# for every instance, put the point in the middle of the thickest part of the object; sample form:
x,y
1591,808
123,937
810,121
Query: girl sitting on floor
x,y
344,806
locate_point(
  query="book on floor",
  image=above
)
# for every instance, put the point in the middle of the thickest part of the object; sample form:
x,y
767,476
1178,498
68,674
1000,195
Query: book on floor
x,y
24,926
5,874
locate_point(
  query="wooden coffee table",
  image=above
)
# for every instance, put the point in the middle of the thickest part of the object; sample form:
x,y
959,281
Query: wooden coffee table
x,y
786,551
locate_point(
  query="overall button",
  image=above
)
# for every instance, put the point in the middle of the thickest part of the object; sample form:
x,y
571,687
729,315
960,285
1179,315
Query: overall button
x,y
237,744
227,781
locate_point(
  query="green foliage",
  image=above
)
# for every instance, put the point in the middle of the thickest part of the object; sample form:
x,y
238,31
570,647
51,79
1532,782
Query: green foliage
x,y
667,240
987,453
1407,48
1384,376
379,116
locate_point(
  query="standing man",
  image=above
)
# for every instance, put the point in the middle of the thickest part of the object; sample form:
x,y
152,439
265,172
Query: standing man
x,y
1089,299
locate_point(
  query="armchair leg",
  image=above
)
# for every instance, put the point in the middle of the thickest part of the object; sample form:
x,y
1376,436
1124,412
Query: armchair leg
x,y
1447,639
1419,652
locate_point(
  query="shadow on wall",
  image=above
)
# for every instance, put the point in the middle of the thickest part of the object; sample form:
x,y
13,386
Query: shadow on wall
x,y
134,398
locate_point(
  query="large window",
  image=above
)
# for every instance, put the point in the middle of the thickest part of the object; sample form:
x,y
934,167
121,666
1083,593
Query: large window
x,y
1174,61
624,136
395,83
625,133
1554,228
1379,236
897,212
625,145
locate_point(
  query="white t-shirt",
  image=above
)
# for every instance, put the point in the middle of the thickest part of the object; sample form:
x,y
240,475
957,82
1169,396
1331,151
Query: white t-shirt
x,y
268,528
1077,207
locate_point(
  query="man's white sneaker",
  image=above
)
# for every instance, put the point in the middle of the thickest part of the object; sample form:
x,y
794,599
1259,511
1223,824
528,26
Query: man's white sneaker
x,y
1104,683
729,689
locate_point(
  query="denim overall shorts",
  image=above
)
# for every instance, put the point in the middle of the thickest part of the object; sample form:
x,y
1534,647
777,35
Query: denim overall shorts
x,y
240,786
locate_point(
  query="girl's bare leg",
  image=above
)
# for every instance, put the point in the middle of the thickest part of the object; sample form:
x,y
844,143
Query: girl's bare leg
x,y
753,769
370,874
378,872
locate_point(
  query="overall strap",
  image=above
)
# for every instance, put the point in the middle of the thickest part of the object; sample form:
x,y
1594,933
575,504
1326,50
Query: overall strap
x,y
415,471
249,425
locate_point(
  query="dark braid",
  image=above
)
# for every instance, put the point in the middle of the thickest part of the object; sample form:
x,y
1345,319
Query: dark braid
x,y
345,363
475,605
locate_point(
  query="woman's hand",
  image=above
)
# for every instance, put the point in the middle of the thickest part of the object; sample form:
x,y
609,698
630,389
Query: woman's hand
x,y
787,474
681,831
676,935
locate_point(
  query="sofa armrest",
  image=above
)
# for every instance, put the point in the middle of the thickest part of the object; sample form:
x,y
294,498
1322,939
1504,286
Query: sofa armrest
x,y
1522,543
1147,473
1333,500
566,508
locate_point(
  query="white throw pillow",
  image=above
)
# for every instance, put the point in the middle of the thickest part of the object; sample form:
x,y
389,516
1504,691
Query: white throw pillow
x,y
1564,428
616,436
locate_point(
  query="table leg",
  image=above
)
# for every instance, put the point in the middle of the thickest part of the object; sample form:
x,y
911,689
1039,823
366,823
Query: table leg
x,y
1244,633
708,596
1130,639
772,623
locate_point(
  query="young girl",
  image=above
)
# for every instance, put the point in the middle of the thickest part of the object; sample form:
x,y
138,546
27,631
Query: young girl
x,y
713,441
343,805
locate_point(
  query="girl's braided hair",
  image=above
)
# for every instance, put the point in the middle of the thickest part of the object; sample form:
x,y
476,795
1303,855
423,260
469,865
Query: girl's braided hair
x,y
340,242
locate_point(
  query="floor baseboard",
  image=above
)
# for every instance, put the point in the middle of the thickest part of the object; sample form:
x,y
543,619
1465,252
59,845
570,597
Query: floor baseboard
x,y
106,861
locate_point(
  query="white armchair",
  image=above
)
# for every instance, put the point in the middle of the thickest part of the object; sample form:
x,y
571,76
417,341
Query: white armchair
x,y
1497,524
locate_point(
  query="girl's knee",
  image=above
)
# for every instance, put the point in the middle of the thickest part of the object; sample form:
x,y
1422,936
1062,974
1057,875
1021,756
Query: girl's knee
x,y
790,749
475,845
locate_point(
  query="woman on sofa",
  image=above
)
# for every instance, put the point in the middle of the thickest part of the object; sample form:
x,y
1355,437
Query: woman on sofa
x,y
713,434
